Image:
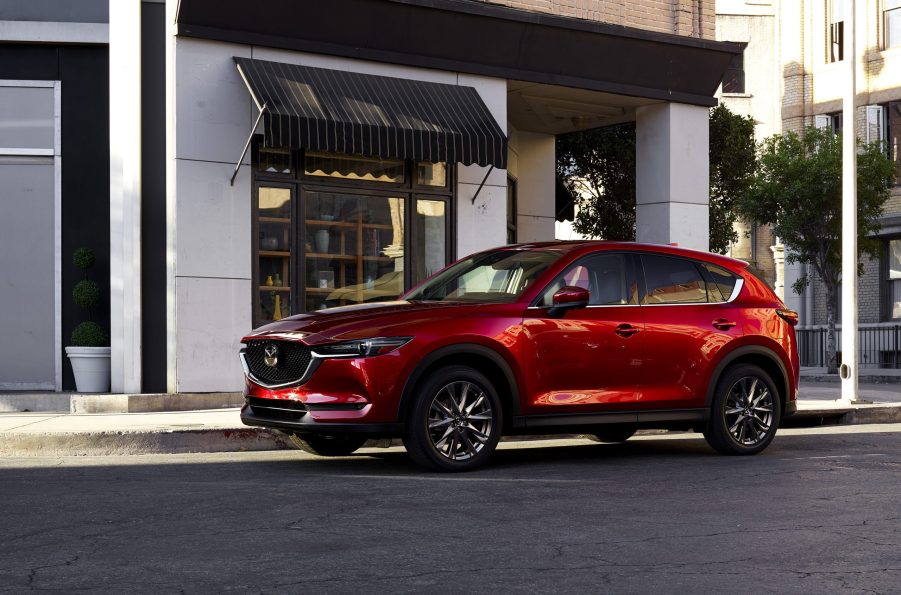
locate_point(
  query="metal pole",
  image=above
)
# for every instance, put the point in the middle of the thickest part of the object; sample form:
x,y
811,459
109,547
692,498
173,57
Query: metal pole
x,y
849,213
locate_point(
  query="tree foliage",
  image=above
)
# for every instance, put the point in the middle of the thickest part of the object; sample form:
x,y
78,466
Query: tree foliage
x,y
798,190
598,168
733,159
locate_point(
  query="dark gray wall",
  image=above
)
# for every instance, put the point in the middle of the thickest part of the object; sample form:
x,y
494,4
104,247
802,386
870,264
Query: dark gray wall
x,y
153,196
84,72
64,11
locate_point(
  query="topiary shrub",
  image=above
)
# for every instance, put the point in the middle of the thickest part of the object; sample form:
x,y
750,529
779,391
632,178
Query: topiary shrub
x,y
86,294
89,334
84,258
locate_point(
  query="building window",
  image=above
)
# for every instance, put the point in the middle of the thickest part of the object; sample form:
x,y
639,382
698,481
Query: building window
x,y
892,135
831,121
892,23
836,34
339,229
734,79
511,211
893,279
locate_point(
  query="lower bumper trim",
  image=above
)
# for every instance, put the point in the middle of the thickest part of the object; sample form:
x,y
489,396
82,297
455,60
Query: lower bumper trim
x,y
306,425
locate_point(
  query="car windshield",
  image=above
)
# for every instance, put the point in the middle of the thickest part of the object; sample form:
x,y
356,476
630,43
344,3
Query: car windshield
x,y
493,277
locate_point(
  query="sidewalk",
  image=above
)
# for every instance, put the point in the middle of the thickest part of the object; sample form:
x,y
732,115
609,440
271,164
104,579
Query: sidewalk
x,y
221,430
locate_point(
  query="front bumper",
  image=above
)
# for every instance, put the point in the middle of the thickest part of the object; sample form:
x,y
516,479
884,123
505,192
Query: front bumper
x,y
304,422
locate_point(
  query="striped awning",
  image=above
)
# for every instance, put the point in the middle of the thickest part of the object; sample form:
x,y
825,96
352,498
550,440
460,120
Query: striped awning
x,y
361,114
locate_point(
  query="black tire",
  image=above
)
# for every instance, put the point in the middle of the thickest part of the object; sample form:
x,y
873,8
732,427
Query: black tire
x,y
611,434
744,416
327,445
443,436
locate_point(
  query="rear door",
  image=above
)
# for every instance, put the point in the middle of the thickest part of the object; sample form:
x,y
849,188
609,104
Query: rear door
x,y
589,359
688,320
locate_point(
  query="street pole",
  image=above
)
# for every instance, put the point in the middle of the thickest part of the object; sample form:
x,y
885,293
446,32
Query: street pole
x,y
849,213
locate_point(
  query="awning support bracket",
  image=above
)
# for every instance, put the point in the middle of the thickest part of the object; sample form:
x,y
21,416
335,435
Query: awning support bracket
x,y
247,145
485,179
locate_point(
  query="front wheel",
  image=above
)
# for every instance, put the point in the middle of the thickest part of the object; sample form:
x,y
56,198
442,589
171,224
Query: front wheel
x,y
745,413
327,445
455,422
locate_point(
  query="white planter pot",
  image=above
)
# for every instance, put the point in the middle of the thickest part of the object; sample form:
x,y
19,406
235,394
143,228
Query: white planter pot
x,y
91,366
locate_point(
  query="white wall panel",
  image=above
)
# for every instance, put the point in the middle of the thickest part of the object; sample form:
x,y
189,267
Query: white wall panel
x,y
214,111
214,221
481,225
213,316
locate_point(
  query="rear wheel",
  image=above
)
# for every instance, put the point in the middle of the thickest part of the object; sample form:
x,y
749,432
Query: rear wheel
x,y
614,433
455,422
327,445
745,413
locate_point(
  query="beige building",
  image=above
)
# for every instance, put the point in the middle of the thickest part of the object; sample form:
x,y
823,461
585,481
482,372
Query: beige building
x,y
793,77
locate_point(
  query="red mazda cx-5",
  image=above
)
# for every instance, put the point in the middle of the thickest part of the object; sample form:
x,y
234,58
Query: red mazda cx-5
x,y
599,338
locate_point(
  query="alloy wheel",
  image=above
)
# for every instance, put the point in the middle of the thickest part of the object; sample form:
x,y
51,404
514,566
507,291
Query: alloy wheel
x,y
460,420
748,411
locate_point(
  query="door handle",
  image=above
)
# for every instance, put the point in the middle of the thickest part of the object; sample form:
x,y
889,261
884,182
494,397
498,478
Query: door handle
x,y
723,324
626,330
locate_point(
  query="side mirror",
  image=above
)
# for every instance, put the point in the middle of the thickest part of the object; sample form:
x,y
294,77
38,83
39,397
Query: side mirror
x,y
568,298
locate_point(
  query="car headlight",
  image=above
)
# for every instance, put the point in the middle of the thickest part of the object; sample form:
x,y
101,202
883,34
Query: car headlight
x,y
360,347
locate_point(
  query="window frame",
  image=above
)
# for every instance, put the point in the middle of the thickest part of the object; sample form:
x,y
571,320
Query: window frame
x,y
643,285
885,283
632,276
835,28
301,184
886,7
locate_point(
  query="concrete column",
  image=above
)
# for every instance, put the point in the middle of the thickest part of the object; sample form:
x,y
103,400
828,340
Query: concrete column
x,y
672,175
779,262
535,187
125,194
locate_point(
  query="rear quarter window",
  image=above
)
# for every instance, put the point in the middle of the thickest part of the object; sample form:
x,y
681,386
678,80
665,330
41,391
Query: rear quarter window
x,y
722,282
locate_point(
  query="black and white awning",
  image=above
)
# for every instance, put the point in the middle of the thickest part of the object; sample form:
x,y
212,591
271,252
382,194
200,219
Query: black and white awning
x,y
360,114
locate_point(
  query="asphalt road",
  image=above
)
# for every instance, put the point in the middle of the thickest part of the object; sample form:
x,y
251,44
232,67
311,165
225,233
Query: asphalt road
x,y
818,512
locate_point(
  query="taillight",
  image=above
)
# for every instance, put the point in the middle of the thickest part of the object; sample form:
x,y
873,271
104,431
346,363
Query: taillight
x,y
789,316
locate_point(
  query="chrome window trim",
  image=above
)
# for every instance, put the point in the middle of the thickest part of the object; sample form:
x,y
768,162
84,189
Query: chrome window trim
x,y
739,284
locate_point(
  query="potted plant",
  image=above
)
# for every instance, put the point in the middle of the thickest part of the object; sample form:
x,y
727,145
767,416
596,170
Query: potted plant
x,y
89,352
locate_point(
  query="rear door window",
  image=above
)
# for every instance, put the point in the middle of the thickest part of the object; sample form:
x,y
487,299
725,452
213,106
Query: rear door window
x,y
671,280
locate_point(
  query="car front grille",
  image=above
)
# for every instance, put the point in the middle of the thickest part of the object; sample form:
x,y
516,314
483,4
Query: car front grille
x,y
290,364
277,408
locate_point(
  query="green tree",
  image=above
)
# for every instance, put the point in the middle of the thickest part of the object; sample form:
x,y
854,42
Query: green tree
x,y
798,190
598,168
733,160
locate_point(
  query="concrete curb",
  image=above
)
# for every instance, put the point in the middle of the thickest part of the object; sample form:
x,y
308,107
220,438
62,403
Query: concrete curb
x,y
113,403
140,442
244,438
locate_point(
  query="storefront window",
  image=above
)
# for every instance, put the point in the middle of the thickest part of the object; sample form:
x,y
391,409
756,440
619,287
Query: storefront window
x,y
354,249
431,174
344,229
429,238
274,241
370,169
275,160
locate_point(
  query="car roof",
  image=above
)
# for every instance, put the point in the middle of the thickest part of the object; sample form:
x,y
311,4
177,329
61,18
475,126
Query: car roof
x,y
577,247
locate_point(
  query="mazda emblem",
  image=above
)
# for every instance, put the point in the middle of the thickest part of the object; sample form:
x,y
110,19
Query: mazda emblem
x,y
270,355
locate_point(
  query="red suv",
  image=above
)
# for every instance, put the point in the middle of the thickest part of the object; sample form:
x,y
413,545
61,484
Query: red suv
x,y
597,338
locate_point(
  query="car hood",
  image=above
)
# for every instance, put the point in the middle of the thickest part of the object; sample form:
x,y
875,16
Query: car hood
x,y
361,321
